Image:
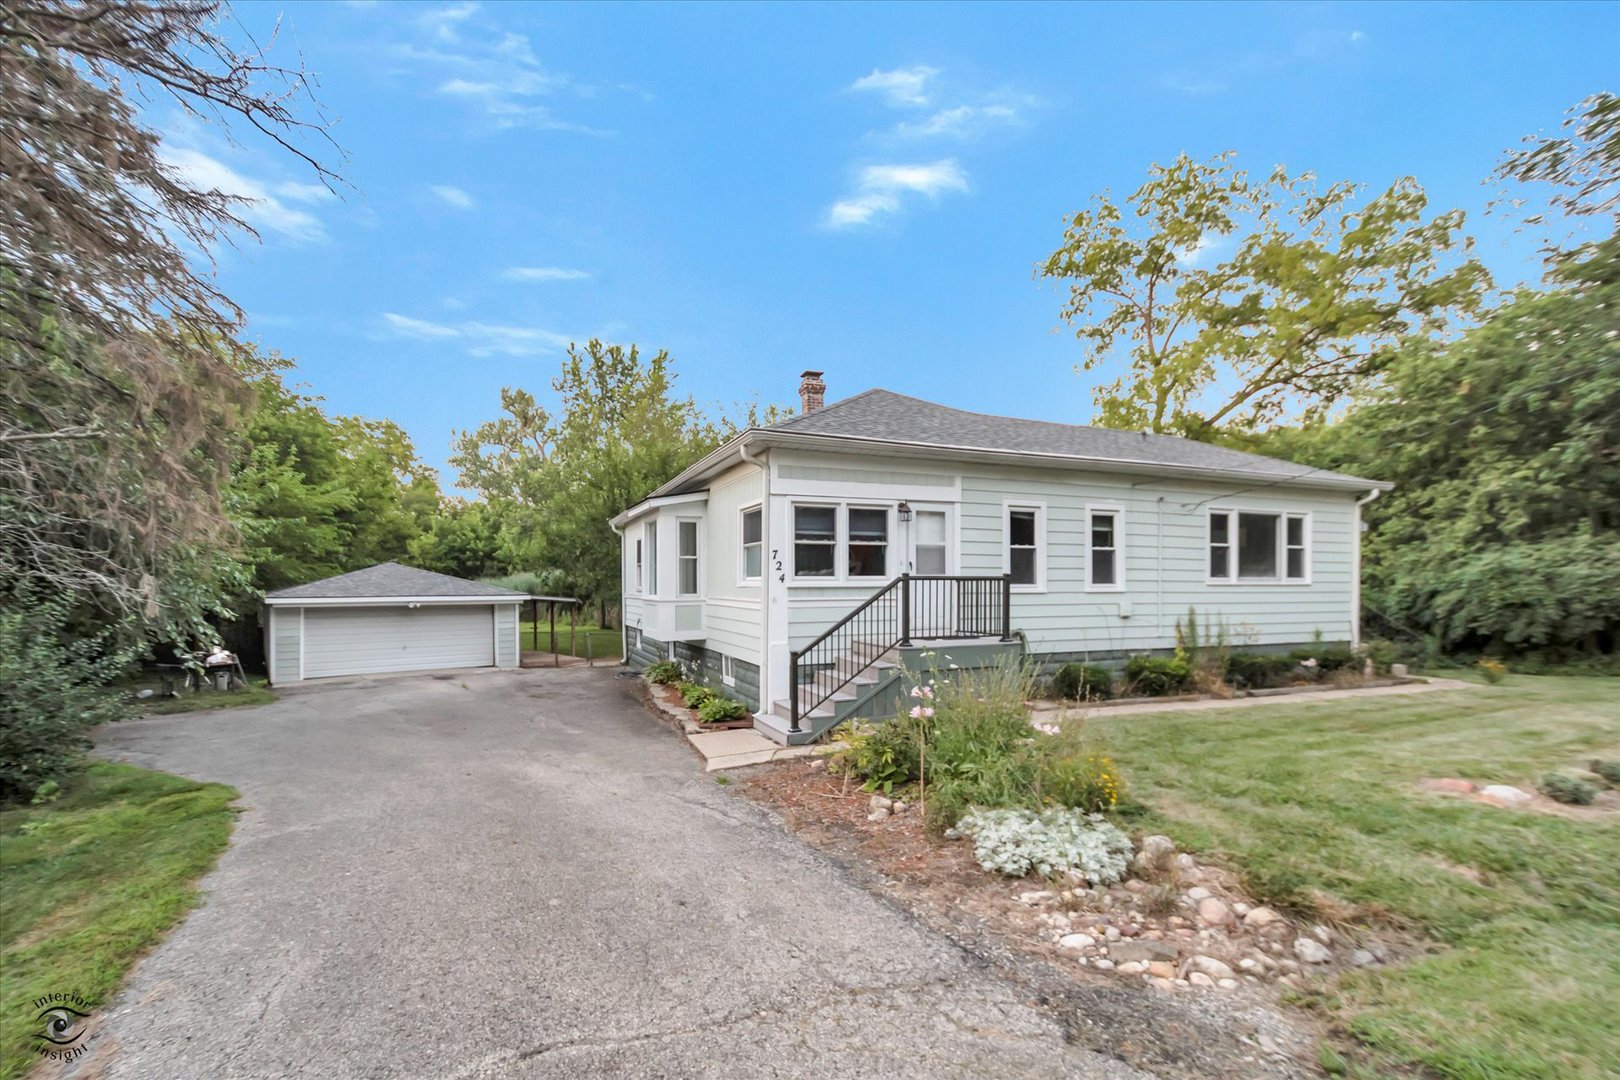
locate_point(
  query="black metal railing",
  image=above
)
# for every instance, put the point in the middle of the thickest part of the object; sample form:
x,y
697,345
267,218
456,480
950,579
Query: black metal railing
x,y
909,608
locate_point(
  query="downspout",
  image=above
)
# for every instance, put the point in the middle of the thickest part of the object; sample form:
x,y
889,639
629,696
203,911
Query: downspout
x,y
624,631
1355,579
764,573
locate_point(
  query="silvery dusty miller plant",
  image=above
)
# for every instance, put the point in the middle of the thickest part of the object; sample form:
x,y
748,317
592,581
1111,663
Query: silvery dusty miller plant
x,y
1016,842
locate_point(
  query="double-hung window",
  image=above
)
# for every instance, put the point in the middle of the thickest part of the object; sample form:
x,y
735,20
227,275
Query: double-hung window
x,y
1023,545
753,542
687,584
868,541
815,541
1105,567
1253,545
638,564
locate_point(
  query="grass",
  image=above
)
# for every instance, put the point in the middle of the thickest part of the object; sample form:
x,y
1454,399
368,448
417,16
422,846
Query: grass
x,y
604,644
257,692
90,882
1319,808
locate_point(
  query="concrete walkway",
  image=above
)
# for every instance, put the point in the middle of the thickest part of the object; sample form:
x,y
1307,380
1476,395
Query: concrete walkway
x,y
521,874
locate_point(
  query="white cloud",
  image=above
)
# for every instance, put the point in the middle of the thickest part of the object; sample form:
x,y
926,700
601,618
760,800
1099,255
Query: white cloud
x,y
902,87
961,122
264,208
480,338
544,273
880,190
453,196
1357,37
444,23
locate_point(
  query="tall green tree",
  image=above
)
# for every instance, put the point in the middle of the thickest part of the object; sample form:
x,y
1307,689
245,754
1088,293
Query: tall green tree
x,y
555,480
1503,531
1233,301
463,540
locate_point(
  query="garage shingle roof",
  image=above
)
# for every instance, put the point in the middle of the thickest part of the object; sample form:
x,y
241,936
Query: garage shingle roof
x,y
391,579
885,415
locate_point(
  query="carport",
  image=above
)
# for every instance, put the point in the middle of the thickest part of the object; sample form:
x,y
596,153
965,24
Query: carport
x,y
389,618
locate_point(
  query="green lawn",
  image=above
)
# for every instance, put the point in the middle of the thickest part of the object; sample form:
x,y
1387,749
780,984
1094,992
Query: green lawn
x,y
90,882
1524,979
257,692
603,643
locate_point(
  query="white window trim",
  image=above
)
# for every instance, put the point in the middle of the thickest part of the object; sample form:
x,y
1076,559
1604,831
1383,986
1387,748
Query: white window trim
x,y
1118,513
837,576
651,531
728,670
742,547
888,542
696,557
637,560
1282,516
1041,544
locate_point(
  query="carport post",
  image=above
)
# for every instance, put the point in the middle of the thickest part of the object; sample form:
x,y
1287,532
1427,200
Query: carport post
x,y
534,624
573,627
551,609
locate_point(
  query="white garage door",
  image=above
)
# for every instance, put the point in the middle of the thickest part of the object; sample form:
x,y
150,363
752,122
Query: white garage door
x,y
364,640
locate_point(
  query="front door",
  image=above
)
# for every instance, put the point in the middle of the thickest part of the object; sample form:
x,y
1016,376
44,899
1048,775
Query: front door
x,y
930,553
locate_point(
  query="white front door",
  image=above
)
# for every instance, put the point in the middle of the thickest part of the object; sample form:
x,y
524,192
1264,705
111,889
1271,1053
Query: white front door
x,y
930,553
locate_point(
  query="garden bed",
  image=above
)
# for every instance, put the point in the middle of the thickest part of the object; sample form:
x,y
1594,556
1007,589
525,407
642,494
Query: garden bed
x,y
1350,683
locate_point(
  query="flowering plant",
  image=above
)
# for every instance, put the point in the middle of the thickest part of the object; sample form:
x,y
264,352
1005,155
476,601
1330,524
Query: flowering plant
x,y
1018,842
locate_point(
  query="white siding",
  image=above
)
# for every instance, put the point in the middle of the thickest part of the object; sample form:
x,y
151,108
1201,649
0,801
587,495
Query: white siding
x,y
366,640
506,632
285,642
732,613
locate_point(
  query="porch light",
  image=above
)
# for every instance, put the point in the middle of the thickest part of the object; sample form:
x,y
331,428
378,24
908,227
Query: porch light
x,y
904,511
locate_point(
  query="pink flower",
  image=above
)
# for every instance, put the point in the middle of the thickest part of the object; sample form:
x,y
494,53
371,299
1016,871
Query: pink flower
x,y
919,712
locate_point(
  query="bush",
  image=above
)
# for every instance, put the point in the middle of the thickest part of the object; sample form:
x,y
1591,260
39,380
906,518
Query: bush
x,y
664,672
1016,842
695,695
1383,654
717,710
1083,682
51,694
1079,780
1157,676
1330,659
1259,671
1609,771
1568,789
1494,671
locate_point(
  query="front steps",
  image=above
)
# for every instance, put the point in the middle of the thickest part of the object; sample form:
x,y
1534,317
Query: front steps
x,y
878,687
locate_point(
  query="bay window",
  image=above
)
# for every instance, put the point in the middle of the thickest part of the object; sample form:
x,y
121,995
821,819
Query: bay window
x,y
687,583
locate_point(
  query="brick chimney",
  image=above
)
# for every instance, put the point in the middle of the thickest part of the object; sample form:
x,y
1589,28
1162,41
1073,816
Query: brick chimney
x,y
812,392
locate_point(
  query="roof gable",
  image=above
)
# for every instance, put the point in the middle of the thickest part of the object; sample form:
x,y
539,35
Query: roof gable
x,y
391,579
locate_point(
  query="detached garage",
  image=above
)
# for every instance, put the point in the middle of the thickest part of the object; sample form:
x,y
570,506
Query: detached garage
x,y
389,618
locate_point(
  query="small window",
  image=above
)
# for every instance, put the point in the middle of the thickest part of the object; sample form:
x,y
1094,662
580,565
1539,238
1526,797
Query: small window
x,y
815,541
753,546
652,559
1220,544
728,670
1294,545
1104,547
638,565
688,558
868,542
1022,550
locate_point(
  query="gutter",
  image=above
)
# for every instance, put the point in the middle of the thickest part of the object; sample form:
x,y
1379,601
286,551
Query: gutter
x,y
1355,581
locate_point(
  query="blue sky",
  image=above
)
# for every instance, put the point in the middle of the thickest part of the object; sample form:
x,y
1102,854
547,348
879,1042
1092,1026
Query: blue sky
x,y
860,189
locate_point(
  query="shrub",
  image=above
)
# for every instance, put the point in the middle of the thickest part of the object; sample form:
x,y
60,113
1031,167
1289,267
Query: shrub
x,y
52,694
1083,682
1330,659
1609,771
664,672
1259,671
1568,789
883,755
1016,842
717,710
1156,676
1079,780
1493,670
1383,654
694,695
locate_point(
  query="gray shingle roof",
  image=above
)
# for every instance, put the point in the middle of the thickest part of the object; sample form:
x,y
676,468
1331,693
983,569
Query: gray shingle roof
x,y
392,579
885,415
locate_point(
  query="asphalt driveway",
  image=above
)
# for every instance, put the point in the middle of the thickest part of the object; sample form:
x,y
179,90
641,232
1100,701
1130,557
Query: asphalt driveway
x,y
521,874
